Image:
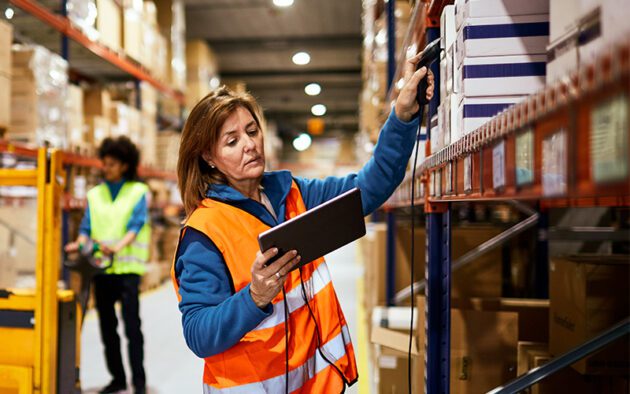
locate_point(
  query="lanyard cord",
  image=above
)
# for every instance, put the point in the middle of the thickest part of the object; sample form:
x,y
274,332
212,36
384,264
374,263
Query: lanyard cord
x,y
413,226
318,337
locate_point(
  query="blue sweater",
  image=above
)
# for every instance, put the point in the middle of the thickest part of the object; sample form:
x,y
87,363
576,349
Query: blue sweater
x,y
136,221
214,316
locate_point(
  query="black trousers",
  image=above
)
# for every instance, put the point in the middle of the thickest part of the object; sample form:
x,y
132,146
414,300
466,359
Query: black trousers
x,y
108,289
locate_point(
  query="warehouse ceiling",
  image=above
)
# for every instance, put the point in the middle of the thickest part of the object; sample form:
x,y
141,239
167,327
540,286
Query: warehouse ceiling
x,y
255,41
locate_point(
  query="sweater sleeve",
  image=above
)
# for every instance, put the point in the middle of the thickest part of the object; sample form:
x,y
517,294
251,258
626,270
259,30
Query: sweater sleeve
x,y
138,216
85,228
378,178
214,317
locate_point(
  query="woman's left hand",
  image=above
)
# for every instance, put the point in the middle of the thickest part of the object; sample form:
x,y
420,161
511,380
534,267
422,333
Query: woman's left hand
x,y
406,104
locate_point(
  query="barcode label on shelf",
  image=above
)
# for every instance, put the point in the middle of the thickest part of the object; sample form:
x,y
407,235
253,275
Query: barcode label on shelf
x,y
525,158
498,165
449,178
554,164
468,173
609,140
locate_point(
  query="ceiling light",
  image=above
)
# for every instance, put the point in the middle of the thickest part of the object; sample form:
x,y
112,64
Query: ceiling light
x,y
8,13
301,58
318,109
283,3
214,83
302,142
312,89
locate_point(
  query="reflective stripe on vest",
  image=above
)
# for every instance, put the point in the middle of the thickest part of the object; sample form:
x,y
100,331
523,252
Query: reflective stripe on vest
x,y
334,350
257,362
109,221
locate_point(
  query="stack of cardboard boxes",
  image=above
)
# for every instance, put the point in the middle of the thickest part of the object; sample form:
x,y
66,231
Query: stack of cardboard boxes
x,y
202,74
172,25
374,106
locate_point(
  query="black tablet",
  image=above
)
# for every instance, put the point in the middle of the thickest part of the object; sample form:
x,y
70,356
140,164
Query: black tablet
x,y
319,231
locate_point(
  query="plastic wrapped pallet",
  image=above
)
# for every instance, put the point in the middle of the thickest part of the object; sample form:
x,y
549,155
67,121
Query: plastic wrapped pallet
x,y
82,14
39,89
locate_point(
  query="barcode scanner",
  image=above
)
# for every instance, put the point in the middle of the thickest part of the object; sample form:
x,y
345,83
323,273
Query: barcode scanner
x,y
430,54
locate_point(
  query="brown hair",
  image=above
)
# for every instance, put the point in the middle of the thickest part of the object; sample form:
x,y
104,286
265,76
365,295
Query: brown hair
x,y
200,134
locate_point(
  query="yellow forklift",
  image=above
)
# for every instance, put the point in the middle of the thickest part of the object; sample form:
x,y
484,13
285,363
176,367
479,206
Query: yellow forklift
x,y
40,327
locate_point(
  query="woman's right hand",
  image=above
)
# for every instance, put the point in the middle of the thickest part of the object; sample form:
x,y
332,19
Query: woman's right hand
x,y
267,281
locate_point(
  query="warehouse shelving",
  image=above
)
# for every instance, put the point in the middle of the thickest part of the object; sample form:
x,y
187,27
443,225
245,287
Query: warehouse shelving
x,y
63,25
482,166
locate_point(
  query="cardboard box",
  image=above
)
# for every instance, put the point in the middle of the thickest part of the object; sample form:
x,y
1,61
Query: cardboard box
x,y
465,9
109,23
6,39
98,128
76,120
132,34
5,102
533,314
481,278
448,29
474,112
589,294
502,75
97,101
391,348
148,99
503,36
483,348
532,355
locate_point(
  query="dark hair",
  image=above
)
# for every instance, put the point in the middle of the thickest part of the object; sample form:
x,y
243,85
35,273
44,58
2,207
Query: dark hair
x,y
122,149
200,134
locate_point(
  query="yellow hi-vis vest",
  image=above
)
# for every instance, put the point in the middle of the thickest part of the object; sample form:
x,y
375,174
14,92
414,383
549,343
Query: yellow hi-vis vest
x,y
109,225
256,364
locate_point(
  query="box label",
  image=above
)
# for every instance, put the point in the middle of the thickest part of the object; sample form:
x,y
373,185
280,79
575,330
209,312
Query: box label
x,y
498,165
554,164
525,158
468,173
609,140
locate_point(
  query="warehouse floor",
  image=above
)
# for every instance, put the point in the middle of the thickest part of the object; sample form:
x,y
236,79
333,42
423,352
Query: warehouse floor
x,y
170,366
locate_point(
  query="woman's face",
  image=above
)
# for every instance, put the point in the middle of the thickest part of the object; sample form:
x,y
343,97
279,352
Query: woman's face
x,y
113,169
239,153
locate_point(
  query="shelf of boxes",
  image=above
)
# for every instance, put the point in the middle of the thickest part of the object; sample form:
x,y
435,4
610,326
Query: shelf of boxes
x,y
106,38
533,106
40,106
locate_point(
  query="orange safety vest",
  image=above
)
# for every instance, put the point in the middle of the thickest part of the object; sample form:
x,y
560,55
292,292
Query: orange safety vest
x,y
256,363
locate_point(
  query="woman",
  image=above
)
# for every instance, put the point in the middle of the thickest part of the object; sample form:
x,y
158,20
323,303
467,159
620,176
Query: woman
x,y
117,219
235,312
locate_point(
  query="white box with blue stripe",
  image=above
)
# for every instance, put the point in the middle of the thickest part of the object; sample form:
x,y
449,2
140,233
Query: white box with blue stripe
x,y
502,36
502,75
465,9
474,112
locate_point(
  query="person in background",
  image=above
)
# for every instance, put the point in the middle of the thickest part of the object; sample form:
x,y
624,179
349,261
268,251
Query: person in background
x,y
234,305
117,219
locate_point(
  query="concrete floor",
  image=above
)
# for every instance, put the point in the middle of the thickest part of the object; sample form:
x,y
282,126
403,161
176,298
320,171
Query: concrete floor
x,y
170,366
